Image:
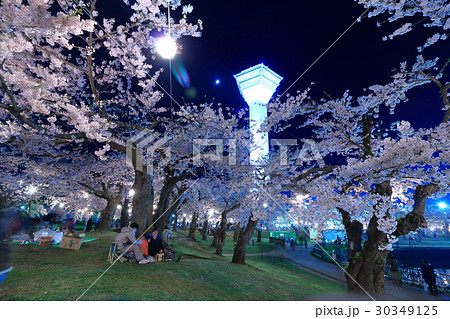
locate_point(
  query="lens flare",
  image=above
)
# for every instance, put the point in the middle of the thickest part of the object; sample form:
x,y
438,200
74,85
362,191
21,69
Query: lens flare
x,y
180,73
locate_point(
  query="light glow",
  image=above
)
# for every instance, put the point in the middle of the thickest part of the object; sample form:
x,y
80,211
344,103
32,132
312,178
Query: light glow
x,y
442,205
32,190
166,47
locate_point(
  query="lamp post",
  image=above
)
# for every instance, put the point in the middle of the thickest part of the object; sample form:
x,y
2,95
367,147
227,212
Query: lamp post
x,y
257,85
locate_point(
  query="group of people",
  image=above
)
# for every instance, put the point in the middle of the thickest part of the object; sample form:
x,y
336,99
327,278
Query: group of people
x,y
144,250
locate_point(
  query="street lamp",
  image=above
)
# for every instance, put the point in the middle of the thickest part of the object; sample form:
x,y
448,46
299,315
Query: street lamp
x,y
166,47
257,85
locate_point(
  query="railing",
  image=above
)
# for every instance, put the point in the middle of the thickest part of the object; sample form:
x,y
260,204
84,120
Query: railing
x,y
340,255
413,276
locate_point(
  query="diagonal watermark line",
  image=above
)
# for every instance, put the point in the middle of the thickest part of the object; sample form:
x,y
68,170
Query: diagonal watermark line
x,y
137,239
323,249
324,52
118,44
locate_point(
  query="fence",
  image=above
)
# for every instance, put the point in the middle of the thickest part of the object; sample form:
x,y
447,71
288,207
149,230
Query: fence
x,y
413,276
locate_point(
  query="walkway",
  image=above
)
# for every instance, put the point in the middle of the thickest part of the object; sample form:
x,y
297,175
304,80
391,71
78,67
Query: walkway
x,y
302,257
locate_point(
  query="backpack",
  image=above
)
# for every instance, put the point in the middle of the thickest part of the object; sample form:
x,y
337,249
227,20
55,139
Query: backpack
x,y
168,256
132,258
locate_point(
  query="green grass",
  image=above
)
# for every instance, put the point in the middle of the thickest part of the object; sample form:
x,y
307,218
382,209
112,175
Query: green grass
x,y
228,248
53,273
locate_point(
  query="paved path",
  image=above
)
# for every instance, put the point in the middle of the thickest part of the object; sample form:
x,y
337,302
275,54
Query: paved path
x,y
302,257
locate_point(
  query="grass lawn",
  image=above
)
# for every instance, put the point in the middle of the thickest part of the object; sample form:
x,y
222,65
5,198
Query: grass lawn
x,y
53,273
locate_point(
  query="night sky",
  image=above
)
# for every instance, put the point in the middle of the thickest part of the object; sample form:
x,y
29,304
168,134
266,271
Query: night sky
x,y
287,37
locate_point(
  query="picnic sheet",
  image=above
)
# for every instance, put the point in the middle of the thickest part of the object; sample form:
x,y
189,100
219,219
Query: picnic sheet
x,y
85,240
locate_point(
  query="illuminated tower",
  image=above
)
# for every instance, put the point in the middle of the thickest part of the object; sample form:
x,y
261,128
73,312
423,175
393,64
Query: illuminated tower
x,y
257,85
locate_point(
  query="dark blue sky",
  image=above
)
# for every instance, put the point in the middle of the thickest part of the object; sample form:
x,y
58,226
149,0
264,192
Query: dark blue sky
x,y
287,37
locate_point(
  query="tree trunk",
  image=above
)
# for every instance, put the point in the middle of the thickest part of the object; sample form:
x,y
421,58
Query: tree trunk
x,y
142,199
258,238
204,229
162,207
365,272
237,232
216,236
222,233
183,223
193,227
239,249
108,212
124,215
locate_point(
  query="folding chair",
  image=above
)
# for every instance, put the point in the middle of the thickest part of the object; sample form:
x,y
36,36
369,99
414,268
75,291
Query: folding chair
x,y
113,255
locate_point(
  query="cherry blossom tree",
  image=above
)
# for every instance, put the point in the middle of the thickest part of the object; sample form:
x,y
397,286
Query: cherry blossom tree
x,y
369,174
74,75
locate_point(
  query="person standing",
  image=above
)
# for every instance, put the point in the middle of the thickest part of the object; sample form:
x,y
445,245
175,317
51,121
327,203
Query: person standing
x,y
306,241
429,276
126,241
89,224
167,234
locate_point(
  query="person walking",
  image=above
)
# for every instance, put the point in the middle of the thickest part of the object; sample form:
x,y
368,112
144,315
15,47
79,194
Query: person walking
x,y
429,276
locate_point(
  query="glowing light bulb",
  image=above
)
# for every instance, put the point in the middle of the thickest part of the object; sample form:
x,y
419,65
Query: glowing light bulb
x,y
442,205
166,47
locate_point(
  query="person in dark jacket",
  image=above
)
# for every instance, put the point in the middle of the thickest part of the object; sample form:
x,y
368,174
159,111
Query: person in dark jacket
x,y
155,244
89,224
429,276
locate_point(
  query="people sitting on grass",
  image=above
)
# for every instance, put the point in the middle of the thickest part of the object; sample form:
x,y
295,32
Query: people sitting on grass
x,y
126,242
69,228
155,244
